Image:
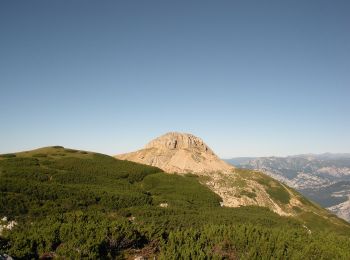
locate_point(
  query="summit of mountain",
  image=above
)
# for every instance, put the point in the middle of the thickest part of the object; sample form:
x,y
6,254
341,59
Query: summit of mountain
x,y
176,152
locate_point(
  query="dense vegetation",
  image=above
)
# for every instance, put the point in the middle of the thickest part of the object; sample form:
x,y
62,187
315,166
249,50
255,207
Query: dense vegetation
x,y
75,204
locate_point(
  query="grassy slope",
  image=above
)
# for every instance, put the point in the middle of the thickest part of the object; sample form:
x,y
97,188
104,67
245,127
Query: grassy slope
x,y
82,204
311,213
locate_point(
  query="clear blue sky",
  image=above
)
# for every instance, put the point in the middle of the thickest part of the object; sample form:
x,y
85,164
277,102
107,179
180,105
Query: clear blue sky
x,y
249,77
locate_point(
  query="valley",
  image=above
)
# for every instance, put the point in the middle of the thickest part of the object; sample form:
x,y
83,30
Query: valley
x,y
323,178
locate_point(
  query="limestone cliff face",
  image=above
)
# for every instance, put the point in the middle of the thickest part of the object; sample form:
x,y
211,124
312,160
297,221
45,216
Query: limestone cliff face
x,y
179,153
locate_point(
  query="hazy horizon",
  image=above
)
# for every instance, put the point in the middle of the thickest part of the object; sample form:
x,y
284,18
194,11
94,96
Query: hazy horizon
x,y
249,78
222,157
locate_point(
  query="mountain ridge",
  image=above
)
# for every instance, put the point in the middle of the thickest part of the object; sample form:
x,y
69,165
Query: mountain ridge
x,y
236,187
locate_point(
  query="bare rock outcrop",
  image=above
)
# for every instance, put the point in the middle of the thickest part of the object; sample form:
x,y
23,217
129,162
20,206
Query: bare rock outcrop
x,y
179,153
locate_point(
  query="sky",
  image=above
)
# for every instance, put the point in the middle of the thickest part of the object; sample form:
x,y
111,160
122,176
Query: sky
x,y
251,78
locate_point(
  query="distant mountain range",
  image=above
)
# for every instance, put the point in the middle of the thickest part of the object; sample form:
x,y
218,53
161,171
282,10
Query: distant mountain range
x,y
323,178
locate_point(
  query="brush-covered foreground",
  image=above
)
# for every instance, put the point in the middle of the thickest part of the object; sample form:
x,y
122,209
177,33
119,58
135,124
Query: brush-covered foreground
x,y
76,204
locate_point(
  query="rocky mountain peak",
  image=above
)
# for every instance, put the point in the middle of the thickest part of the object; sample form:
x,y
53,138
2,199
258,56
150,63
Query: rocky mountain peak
x,y
175,140
180,153
185,153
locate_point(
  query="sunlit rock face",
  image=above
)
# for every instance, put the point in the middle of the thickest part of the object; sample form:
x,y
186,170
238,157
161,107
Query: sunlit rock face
x,y
179,153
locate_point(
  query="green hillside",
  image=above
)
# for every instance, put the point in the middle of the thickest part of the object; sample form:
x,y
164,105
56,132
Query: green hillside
x,y
76,204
